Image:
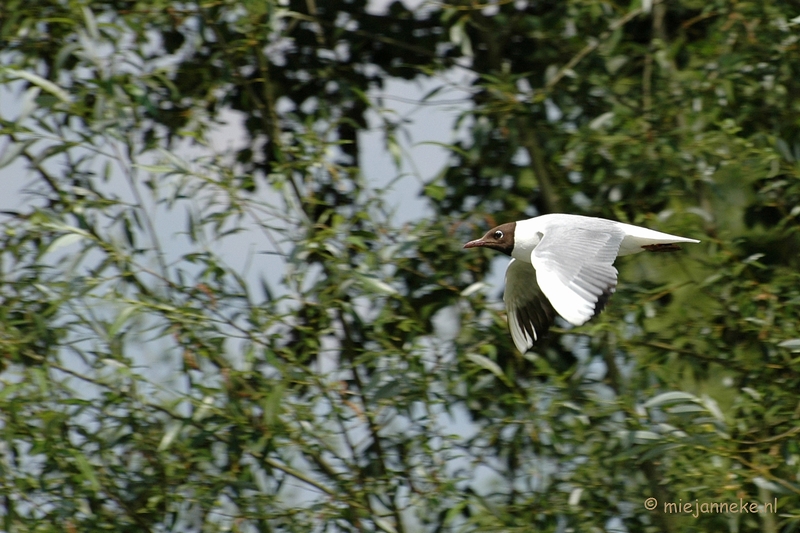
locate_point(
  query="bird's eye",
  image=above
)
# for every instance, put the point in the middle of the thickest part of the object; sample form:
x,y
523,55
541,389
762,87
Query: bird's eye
x,y
498,235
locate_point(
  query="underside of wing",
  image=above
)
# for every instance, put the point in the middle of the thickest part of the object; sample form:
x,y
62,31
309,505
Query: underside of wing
x,y
575,270
530,314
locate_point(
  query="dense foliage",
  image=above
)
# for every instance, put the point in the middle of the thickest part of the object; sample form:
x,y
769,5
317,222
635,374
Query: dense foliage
x,y
201,336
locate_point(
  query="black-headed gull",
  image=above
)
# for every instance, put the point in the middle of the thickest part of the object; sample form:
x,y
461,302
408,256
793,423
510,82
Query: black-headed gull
x,y
564,264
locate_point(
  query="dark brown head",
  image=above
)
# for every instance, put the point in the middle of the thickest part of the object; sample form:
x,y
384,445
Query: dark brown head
x,y
500,238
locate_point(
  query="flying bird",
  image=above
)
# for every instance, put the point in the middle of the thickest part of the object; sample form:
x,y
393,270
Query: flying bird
x,y
564,264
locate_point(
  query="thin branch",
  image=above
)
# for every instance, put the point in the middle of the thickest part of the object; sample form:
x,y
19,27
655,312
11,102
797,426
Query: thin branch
x,y
648,467
647,83
430,53
312,10
128,172
786,434
299,475
550,198
348,348
266,105
474,6
589,48
692,353
764,471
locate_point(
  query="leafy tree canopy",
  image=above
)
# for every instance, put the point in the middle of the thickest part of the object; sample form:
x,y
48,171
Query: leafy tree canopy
x,y
353,374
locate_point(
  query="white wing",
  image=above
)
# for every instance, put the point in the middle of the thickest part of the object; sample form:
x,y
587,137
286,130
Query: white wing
x,y
529,312
574,268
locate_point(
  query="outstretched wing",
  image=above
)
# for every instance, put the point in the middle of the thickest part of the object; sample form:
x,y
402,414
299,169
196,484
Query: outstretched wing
x,y
529,312
575,269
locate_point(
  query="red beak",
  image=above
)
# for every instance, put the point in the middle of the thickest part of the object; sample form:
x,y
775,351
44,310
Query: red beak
x,y
476,243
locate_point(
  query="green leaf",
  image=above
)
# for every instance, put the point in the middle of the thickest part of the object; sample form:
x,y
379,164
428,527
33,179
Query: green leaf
x,y
669,397
37,80
790,344
121,319
372,283
487,364
170,434
12,152
64,241
87,470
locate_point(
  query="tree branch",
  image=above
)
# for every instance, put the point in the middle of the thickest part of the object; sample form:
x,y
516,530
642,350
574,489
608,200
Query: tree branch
x,y
550,198
589,48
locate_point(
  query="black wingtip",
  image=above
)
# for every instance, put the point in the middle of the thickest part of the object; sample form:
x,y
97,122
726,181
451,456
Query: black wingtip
x,y
535,319
602,301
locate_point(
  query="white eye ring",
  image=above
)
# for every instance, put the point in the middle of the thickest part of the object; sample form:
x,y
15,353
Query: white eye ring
x,y
498,235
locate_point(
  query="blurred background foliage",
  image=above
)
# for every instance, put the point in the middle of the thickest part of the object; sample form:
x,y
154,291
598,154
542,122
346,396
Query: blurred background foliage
x,y
353,373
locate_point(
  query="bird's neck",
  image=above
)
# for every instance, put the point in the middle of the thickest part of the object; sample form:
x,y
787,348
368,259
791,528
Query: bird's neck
x,y
526,237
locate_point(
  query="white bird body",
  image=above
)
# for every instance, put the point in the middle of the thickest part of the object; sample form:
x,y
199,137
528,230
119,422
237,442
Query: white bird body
x,y
564,264
529,233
